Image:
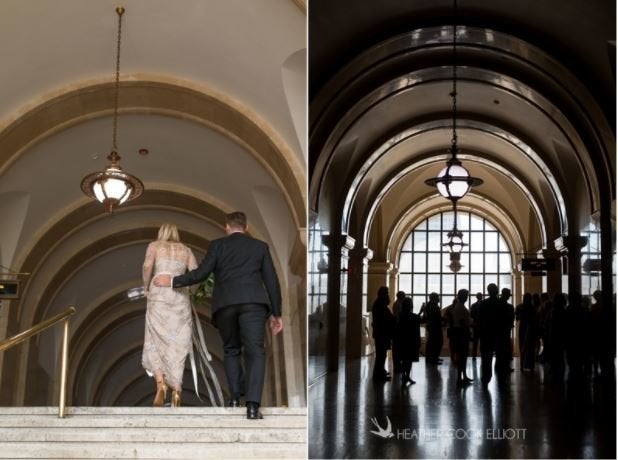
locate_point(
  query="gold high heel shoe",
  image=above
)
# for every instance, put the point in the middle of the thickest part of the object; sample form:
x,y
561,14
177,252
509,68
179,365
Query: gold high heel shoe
x,y
175,398
161,395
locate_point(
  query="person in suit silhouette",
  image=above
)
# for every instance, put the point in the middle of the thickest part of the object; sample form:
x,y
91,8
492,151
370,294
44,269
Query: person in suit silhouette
x,y
246,293
383,324
407,339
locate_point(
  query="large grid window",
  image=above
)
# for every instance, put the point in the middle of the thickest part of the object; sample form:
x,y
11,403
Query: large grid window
x,y
591,275
423,261
317,279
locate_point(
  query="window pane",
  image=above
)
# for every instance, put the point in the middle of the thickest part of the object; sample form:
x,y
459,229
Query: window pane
x,y
448,287
463,221
502,247
419,286
463,282
407,245
476,223
433,264
490,227
505,282
417,302
405,283
476,263
434,222
420,264
420,241
405,262
422,225
493,279
491,241
464,259
491,263
505,263
433,283
434,242
476,241
476,283
447,220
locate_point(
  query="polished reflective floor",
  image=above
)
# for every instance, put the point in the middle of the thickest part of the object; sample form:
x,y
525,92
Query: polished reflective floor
x,y
532,416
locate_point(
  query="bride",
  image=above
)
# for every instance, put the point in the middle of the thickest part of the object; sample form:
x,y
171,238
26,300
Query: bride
x,y
168,334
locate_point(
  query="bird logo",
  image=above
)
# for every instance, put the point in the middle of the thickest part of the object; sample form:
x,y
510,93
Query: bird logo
x,y
385,433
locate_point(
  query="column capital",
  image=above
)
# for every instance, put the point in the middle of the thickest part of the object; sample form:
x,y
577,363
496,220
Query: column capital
x,y
336,241
380,267
359,252
570,243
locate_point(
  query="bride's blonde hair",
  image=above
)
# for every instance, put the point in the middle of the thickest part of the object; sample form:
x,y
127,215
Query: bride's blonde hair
x,y
168,232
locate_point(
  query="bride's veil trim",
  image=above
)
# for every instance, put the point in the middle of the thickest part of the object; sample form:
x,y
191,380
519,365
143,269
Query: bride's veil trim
x,y
204,359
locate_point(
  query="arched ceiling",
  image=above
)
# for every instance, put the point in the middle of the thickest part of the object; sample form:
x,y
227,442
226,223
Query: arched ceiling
x,y
580,34
237,47
214,90
382,110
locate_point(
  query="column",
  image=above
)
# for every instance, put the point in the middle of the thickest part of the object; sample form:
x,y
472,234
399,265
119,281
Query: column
x,y
338,247
359,259
554,277
393,282
571,247
608,234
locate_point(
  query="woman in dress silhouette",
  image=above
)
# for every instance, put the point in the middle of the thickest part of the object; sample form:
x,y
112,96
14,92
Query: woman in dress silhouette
x,y
167,338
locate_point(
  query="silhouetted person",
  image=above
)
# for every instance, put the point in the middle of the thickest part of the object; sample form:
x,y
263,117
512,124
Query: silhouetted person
x,y
433,325
526,313
596,337
458,331
493,326
543,312
576,336
383,324
557,336
407,339
508,344
608,338
400,296
474,312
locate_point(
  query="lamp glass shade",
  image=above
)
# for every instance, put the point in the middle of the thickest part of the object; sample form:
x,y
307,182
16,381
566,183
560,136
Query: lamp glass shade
x,y
98,191
453,182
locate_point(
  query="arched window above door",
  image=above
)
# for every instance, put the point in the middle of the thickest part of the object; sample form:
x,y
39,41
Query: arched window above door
x,y
423,261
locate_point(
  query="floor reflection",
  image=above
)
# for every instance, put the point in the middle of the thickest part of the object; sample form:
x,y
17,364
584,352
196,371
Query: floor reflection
x,y
530,417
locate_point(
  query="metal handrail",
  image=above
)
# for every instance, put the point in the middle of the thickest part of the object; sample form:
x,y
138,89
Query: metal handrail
x,y
34,330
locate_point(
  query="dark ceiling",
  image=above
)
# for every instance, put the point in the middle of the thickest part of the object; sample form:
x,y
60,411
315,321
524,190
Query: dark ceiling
x,y
579,33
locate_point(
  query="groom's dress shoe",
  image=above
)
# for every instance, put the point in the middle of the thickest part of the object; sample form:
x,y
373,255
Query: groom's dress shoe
x,y
253,411
234,402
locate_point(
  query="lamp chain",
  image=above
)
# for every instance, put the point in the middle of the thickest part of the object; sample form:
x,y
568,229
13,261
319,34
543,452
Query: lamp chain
x,y
120,12
454,93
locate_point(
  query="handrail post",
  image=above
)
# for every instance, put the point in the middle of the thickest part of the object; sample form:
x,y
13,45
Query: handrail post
x,y
63,369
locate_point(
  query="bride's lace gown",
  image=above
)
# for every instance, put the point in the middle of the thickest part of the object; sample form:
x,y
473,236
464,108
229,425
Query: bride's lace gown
x,y
167,338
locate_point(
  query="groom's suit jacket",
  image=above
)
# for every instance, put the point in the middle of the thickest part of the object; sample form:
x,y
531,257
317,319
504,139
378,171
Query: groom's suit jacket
x,y
244,273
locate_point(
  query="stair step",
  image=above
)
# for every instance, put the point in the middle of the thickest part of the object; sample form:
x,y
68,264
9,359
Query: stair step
x,y
38,410
147,432
141,421
255,434
66,450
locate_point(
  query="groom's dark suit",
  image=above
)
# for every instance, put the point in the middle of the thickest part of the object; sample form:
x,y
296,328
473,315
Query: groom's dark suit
x,y
246,291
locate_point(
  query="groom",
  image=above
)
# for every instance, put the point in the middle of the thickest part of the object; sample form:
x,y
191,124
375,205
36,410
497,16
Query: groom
x,y
246,293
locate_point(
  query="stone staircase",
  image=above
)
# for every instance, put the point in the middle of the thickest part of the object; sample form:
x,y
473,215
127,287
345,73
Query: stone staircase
x,y
152,433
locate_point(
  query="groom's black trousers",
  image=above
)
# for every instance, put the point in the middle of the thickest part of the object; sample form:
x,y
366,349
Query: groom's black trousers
x,y
242,329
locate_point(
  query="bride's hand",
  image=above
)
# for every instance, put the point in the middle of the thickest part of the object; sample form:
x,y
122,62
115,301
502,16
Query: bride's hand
x,y
276,324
